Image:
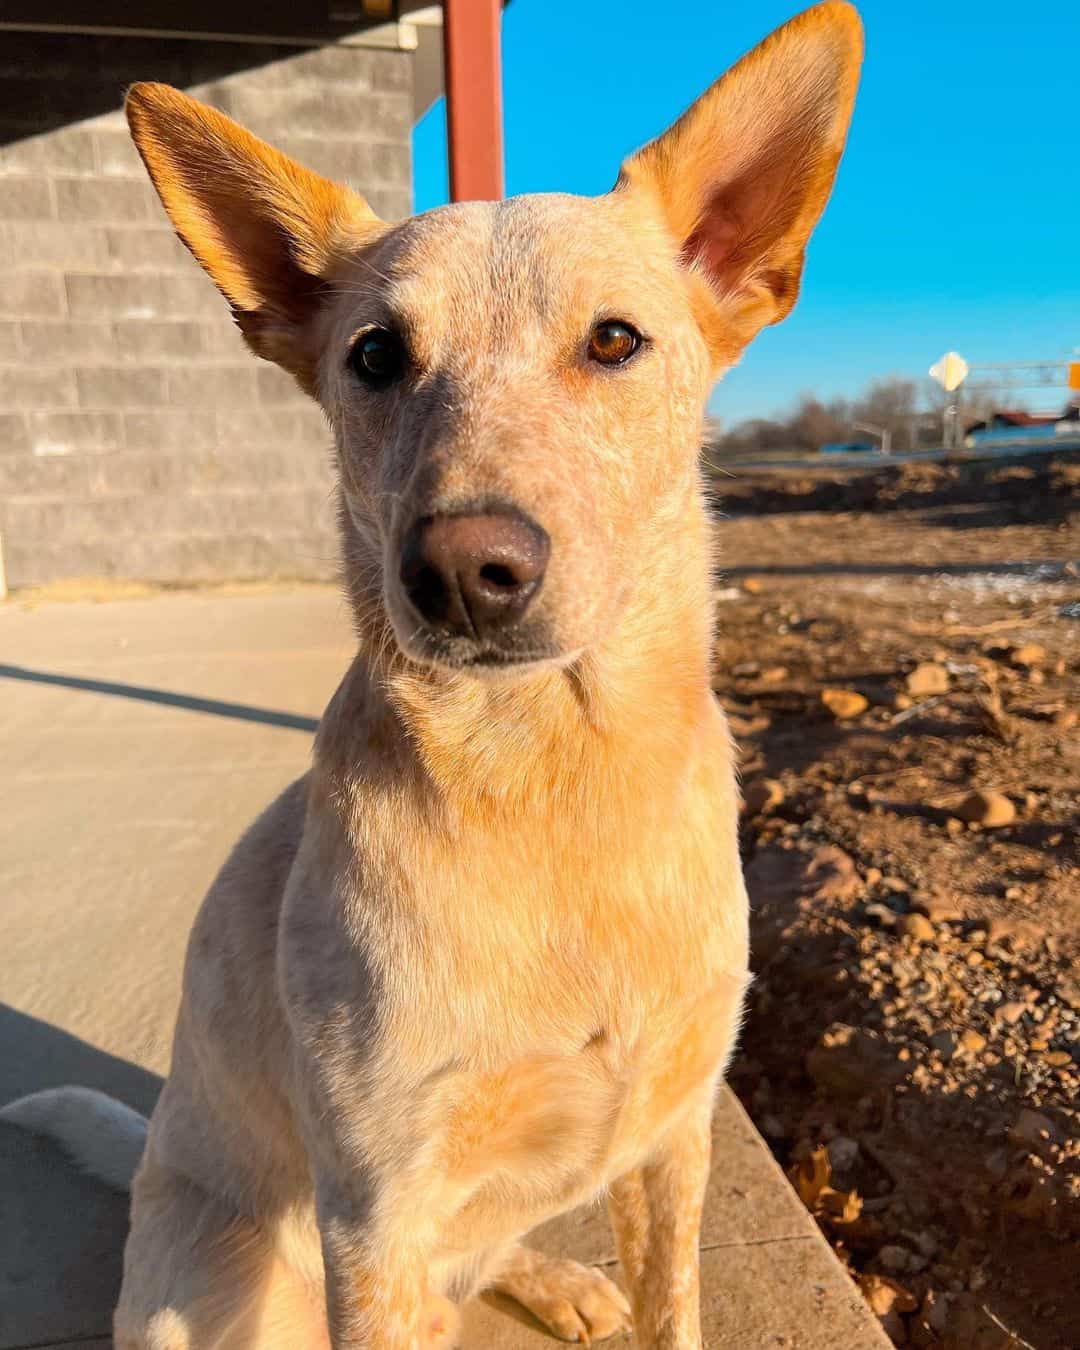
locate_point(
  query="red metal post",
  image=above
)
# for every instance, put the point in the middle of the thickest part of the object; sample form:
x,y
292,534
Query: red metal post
x,y
473,72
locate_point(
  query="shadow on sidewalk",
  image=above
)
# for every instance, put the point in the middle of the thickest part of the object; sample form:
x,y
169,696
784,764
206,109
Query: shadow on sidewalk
x,y
63,1233
36,1055
242,712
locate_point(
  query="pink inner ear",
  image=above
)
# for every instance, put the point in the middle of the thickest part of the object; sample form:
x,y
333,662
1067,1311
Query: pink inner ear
x,y
714,239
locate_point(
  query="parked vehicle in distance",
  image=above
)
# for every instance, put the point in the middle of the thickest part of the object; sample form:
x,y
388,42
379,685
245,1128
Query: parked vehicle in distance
x,y
846,448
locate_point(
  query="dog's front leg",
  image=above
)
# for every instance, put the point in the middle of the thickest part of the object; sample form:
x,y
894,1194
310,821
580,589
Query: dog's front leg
x,y
656,1215
378,1296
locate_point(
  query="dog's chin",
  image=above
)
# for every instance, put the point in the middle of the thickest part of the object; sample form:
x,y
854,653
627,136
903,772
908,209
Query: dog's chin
x,y
483,660
510,657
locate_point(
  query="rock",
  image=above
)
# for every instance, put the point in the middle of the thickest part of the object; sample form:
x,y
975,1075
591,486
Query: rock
x,y
944,1042
917,926
830,875
872,876
989,809
851,1062
762,796
885,916
1018,933
1032,1127
927,678
941,908
753,585
1057,1059
774,674
843,1153
1065,720
972,1041
895,1259
1011,1012
1030,654
844,703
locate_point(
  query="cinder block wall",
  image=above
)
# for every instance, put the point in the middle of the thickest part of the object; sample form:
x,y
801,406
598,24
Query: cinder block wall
x,y
138,437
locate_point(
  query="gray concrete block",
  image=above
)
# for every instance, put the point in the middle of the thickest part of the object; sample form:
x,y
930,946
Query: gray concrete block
x,y
62,433
30,294
57,475
304,425
216,386
276,387
149,338
392,71
116,154
10,340
390,203
36,387
69,245
121,386
26,198
170,429
14,436
105,199
148,249
92,296
197,473
170,558
66,340
363,164
311,111
223,338
67,150
330,65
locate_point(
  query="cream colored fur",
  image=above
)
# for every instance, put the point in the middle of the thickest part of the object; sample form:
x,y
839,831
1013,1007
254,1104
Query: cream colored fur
x,y
486,960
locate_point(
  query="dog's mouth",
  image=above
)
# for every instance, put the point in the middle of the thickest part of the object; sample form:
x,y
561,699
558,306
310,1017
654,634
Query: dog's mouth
x,y
514,653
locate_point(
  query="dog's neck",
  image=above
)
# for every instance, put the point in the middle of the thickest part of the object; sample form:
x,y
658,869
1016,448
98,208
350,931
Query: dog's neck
x,y
620,720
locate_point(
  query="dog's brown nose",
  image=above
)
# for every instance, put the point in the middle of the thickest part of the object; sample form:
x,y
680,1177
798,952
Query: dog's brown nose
x,y
472,575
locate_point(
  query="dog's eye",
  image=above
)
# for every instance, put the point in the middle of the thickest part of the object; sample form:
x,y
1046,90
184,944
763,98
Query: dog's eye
x,y
378,356
613,342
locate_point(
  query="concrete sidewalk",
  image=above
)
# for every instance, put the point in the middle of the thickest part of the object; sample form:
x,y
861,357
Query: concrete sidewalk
x,y
140,736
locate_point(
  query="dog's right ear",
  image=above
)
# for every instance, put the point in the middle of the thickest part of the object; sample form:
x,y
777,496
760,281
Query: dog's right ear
x,y
266,229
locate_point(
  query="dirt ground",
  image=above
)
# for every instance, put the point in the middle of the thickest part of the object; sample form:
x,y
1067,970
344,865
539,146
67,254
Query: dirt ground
x,y
899,654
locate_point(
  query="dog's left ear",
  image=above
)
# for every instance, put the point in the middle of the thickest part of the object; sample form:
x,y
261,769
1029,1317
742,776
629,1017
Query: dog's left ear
x,y
743,176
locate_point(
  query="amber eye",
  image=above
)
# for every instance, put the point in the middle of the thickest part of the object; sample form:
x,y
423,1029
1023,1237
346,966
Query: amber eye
x,y
378,356
613,342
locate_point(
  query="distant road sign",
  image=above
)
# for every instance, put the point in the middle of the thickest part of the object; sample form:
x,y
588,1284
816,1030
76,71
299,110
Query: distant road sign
x,y
1074,375
951,371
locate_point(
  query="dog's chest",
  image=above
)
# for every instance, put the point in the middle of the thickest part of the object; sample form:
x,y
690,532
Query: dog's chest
x,y
550,1130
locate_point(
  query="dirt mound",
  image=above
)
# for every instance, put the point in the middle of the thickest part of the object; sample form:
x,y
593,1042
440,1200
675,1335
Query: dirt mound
x,y
1037,490
913,857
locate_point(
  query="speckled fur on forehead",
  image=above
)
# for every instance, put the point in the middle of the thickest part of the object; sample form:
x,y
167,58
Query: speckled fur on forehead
x,y
475,279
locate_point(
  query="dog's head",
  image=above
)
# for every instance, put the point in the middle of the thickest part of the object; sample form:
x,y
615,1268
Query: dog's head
x,y
516,388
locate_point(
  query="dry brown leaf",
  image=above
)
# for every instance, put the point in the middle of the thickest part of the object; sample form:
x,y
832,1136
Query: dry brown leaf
x,y
811,1179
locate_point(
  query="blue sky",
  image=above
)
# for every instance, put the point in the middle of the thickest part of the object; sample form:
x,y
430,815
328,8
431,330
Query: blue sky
x,y
955,223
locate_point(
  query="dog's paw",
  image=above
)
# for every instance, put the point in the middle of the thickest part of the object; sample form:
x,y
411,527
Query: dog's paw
x,y
575,1302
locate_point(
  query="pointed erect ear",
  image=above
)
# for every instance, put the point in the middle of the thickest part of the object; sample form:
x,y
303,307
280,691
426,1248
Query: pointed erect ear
x,y
742,177
266,229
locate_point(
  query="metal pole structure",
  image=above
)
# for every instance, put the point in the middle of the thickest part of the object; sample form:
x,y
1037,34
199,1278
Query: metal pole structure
x,y
883,432
472,58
